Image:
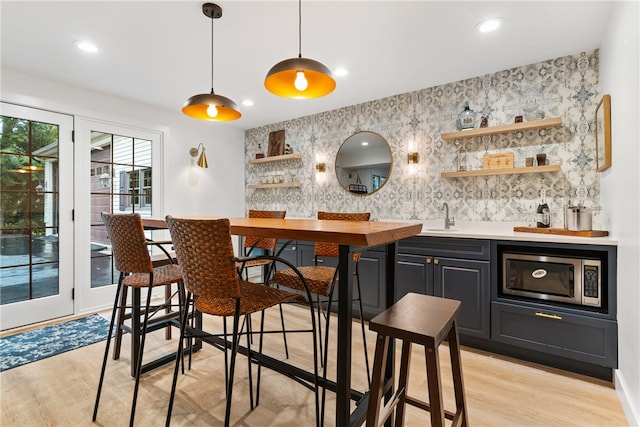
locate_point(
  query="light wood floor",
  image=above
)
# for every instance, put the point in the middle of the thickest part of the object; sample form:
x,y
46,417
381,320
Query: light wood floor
x,y
60,391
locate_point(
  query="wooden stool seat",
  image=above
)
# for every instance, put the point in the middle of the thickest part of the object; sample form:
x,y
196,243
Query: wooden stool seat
x,y
424,320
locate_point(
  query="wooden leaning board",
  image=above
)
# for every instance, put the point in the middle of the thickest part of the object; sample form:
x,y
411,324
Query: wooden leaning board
x,y
562,231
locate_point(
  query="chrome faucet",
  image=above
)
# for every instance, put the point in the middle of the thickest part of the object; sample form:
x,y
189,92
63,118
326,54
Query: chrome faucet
x,y
448,222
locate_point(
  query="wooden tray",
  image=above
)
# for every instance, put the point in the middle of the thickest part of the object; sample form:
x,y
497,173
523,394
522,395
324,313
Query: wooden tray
x,y
562,231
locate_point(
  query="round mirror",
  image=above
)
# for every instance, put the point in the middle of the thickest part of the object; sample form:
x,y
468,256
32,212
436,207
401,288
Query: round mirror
x,y
363,163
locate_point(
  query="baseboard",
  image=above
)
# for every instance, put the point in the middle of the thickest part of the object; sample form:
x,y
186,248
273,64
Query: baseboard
x,y
630,411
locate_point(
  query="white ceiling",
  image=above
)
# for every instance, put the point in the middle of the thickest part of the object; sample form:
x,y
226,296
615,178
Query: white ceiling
x,y
159,52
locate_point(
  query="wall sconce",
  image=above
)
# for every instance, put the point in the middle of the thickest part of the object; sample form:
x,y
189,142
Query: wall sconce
x,y
412,158
320,167
202,160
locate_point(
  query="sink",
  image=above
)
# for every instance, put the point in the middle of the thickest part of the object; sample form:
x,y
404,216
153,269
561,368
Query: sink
x,y
441,230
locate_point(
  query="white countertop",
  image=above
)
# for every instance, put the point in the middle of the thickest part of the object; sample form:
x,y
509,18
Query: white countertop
x,y
500,231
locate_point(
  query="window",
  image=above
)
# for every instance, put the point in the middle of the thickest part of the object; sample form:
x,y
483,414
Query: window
x,y
120,183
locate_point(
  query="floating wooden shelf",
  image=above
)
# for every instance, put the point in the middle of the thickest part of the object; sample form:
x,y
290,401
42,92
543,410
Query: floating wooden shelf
x,y
503,171
295,156
495,130
282,185
562,231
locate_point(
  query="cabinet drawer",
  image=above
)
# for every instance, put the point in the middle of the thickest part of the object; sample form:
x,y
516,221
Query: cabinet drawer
x,y
446,247
576,337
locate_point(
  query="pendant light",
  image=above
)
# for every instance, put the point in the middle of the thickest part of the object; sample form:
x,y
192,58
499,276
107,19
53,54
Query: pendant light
x,y
209,106
299,78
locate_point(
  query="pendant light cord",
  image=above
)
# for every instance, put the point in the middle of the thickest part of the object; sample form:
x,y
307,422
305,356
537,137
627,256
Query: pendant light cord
x,y
212,55
299,28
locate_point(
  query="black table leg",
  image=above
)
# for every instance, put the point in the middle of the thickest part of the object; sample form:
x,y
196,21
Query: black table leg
x,y
345,308
392,252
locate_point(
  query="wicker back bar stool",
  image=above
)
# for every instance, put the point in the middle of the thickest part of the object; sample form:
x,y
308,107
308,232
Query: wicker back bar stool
x,y
268,246
428,321
213,283
321,281
133,261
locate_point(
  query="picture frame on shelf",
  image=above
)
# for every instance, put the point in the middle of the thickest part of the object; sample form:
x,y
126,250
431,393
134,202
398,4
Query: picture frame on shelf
x,y
276,143
603,133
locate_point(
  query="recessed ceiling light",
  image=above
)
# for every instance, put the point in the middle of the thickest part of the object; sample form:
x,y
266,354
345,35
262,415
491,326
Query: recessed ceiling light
x,y
489,25
364,143
85,46
247,103
340,72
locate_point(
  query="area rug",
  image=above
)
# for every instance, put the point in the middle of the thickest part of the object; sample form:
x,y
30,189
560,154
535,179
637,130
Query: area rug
x,y
38,344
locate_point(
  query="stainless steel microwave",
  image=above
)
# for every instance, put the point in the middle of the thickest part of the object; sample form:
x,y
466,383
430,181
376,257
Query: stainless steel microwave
x,y
569,280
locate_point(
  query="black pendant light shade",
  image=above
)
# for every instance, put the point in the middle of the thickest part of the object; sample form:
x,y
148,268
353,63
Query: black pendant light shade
x,y
287,79
209,106
299,78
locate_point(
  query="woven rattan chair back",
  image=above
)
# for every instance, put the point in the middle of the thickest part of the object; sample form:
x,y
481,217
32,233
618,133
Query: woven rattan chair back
x,y
205,253
128,242
331,249
268,243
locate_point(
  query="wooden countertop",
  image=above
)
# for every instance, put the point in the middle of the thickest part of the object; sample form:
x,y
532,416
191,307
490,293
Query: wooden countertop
x,y
354,233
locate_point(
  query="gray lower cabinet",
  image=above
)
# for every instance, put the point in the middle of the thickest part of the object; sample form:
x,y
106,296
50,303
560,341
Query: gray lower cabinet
x,y
550,331
468,282
451,268
371,270
414,273
297,253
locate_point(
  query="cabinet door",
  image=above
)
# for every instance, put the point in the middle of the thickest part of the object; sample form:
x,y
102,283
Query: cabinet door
x,y
468,282
290,251
305,253
297,253
414,273
372,272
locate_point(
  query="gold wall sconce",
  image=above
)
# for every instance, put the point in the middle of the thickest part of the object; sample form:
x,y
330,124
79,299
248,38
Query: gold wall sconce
x,y
320,167
202,159
412,158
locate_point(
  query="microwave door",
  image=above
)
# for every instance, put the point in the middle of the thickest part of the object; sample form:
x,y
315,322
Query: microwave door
x,y
541,277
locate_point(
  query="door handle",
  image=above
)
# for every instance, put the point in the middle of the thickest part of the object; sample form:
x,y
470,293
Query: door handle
x,y
548,316
436,261
428,260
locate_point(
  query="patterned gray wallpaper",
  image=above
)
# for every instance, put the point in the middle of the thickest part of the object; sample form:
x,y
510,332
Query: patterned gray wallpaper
x,y
564,87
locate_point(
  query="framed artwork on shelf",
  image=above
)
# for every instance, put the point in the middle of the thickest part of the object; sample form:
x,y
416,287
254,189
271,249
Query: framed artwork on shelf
x,y
276,143
603,134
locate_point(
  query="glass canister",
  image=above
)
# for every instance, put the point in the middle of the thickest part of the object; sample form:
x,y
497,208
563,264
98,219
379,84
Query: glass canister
x,y
467,118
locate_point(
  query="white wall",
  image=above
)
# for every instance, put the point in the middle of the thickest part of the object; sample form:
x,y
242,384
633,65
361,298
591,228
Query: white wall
x,y
620,193
218,190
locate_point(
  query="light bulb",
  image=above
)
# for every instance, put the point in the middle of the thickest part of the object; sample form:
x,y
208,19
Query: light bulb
x,y
212,111
301,82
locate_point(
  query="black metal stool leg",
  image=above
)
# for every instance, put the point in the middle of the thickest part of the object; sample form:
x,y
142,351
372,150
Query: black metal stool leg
x,y
141,351
183,327
234,352
106,350
364,333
